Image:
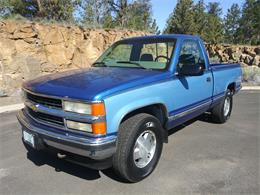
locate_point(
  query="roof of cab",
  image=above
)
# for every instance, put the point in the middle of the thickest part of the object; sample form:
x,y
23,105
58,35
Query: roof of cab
x,y
164,36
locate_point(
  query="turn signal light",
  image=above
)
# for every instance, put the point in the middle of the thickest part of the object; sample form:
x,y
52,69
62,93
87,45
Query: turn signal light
x,y
99,128
98,109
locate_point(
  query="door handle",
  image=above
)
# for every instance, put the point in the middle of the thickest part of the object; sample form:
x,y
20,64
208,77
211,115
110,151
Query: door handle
x,y
208,79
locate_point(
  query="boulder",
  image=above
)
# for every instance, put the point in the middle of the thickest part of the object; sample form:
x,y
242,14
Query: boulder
x,y
22,35
85,54
24,47
248,60
11,83
31,68
256,61
42,30
97,39
257,50
54,36
7,48
18,62
9,27
48,67
59,54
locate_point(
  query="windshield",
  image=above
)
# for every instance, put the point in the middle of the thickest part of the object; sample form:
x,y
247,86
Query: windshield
x,y
148,54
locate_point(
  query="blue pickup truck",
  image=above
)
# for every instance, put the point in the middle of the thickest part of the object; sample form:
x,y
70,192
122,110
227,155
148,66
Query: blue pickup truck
x,y
118,112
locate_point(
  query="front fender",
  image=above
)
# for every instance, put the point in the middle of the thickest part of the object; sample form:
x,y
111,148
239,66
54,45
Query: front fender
x,y
117,107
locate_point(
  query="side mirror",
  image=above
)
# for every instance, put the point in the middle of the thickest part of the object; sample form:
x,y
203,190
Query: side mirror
x,y
191,70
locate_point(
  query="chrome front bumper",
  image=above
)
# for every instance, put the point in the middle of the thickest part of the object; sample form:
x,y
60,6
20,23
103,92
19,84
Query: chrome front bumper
x,y
97,148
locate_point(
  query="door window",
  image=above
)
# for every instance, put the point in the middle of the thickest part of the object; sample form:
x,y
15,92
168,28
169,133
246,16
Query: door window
x,y
191,54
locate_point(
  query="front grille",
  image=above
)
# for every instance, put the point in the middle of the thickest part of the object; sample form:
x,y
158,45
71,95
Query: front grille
x,y
46,101
46,117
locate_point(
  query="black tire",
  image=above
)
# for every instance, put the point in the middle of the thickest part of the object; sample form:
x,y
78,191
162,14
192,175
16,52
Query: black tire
x,y
132,128
218,112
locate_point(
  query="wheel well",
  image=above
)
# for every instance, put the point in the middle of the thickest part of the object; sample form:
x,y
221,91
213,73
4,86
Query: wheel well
x,y
157,110
232,87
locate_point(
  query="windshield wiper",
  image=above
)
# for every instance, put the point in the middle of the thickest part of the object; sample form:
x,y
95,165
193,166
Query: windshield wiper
x,y
130,62
100,64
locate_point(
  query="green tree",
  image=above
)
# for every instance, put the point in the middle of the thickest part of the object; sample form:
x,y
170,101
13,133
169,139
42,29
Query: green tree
x,y
231,24
154,28
88,13
248,30
214,27
5,8
139,15
61,10
132,14
214,9
182,19
120,8
108,21
96,12
25,8
200,17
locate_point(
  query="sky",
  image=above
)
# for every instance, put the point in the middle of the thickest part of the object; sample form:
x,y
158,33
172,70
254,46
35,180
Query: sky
x,y
163,8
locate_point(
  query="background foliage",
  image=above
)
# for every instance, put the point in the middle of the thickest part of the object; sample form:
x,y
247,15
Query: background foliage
x,y
239,26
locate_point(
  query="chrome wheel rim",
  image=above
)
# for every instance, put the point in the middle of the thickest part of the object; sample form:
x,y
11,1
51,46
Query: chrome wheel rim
x,y
226,106
144,148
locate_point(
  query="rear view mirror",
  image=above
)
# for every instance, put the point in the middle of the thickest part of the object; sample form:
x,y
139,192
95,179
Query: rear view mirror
x,y
191,70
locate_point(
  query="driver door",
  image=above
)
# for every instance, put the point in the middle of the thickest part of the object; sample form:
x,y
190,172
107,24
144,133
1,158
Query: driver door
x,y
194,92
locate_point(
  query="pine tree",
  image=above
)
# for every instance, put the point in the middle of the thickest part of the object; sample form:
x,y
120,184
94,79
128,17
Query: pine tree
x,y
214,9
200,17
108,21
214,26
89,13
139,15
248,31
132,14
154,28
119,7
231,23
96,13
60,10
182,19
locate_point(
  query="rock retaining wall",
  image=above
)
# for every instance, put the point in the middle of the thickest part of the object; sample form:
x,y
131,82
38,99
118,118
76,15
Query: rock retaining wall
x,y
28,50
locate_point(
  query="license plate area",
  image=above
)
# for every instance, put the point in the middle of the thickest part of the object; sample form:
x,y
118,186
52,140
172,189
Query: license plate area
x,y
29,138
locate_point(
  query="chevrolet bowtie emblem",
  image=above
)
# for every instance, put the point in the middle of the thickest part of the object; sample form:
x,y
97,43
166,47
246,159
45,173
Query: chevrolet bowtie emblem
x,y
34,108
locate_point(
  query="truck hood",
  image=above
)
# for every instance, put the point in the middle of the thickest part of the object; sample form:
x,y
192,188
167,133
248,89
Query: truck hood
x,y
93,83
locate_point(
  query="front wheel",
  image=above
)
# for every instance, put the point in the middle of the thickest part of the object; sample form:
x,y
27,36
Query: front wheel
x,y
221,112
139,147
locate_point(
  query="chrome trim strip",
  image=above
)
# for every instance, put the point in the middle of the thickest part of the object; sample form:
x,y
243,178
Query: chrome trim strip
x,y
175,117
218,97
69,138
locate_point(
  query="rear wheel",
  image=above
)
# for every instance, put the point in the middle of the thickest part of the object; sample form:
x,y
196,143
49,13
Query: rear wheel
x,y
221,112
139,147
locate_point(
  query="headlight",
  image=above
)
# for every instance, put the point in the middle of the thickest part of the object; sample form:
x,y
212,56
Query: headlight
x,y
79,126
95,109
77,107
